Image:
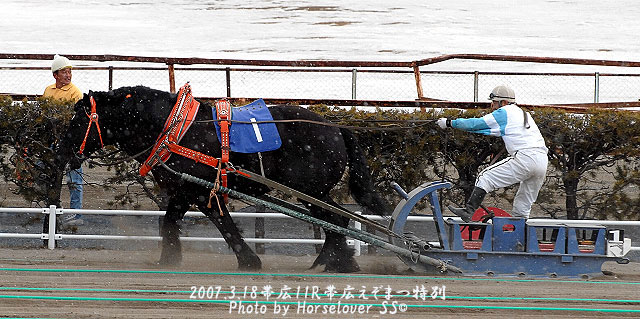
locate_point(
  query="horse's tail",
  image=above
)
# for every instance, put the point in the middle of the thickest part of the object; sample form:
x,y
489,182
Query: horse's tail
x,y
360,180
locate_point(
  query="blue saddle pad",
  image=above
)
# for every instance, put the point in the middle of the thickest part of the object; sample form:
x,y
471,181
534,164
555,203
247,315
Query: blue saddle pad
x,y
251,138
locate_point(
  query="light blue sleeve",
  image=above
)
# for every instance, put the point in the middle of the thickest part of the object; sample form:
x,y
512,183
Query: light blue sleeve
x,y
473,125
490,124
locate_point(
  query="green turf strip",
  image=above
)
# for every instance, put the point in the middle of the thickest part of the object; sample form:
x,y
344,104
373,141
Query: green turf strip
x,y
337,295
319,303
306,275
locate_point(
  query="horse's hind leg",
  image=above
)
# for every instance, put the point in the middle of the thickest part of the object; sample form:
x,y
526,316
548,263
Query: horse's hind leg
x,y
247,258
170,231
335,254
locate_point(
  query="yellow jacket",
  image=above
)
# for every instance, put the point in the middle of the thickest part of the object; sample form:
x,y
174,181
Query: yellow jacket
x,y
67,92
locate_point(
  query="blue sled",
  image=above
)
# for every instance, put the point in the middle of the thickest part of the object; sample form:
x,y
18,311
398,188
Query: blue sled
x,y
508,246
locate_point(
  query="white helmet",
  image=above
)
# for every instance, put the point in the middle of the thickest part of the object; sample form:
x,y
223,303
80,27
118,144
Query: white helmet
x,y
502,93
59,63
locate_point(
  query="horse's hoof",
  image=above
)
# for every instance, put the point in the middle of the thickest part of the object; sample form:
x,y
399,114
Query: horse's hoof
x,y
253,264
342,267
320,260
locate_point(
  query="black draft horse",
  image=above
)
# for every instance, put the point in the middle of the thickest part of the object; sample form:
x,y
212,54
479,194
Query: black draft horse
x,y
312,160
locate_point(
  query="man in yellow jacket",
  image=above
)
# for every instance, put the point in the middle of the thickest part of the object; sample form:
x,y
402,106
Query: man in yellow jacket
x,y
63,89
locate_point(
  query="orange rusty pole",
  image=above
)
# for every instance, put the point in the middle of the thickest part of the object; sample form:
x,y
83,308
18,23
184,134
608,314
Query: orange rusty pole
x,y
416,73
172,79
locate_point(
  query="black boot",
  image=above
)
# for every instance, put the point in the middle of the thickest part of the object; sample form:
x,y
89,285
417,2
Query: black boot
x,y
473,203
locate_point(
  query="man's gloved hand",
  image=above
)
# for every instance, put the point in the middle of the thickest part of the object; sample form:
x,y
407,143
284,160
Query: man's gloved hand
x,y
444,122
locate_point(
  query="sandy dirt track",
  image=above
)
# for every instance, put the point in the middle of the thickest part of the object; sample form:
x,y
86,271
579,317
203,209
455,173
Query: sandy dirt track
x,y
76,283
119,279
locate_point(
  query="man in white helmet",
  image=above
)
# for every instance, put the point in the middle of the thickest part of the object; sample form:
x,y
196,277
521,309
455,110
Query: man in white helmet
x,y
527,160
63,89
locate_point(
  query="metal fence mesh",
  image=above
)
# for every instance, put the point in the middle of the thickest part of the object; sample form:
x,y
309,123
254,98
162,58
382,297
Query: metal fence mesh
x,y
619,88
210,83
541,89
386,86
448,87
342,84
25,81
300,85
156,79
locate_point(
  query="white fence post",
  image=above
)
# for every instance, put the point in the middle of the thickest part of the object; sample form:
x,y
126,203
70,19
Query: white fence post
x,y
475,85
596,92
356,243
354,73
52,227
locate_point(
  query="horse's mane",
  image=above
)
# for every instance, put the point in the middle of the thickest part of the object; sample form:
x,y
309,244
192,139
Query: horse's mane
x,y
135,96
141,92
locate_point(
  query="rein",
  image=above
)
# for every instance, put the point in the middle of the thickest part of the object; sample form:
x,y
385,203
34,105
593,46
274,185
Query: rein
x,y
93,118
118,161
331,124
181,115
128,158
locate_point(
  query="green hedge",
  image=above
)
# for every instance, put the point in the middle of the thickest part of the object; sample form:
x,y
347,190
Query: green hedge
x,y
593,171
28,131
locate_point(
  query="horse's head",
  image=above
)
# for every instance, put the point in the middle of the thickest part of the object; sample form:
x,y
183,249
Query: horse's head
x,y
129,118
90,127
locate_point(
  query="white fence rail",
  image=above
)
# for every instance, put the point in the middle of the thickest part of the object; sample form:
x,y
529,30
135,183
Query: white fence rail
x,y
52,236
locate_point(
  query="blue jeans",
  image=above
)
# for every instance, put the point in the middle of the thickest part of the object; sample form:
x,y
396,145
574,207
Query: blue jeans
x,y
74,181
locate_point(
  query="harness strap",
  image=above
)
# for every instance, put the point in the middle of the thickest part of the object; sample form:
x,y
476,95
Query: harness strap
x,y
175,127
223,111
194,155
93,118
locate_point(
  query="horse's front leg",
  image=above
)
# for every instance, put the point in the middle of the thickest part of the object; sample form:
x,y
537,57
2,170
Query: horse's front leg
x,y
247,258
170,231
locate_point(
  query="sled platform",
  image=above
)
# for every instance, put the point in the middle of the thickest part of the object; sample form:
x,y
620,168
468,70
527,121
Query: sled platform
x,y
511,247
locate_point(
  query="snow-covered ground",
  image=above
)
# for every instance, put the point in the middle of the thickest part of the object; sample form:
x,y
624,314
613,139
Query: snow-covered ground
x,y
334,29
399,30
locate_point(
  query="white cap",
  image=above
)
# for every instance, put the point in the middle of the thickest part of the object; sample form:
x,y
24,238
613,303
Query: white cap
x,y
60,62
502,93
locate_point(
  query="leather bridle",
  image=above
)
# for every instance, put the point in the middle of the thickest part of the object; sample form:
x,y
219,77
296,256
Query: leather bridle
x,y
93,118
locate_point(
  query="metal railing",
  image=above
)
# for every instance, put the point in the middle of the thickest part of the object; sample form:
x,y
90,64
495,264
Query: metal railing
x,y
52,234
339,82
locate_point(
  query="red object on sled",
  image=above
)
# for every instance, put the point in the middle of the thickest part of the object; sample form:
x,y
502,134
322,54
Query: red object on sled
x,y
546,247
477,216
472,244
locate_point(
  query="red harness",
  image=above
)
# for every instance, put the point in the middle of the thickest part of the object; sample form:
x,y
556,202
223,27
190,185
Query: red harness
x,y
176,127
93,118
223,111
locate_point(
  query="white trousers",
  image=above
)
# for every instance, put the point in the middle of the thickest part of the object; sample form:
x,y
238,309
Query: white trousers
x,y
527,167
